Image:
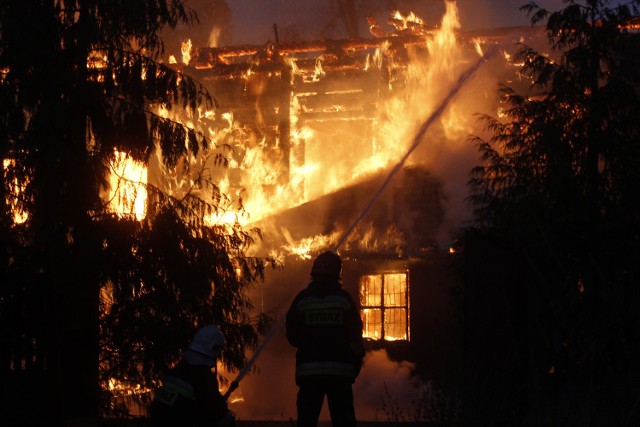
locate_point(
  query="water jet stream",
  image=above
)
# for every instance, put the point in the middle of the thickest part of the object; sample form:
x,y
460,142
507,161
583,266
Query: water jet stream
x,y
417,140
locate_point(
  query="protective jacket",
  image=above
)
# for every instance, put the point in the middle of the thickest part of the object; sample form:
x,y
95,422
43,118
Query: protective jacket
x,y
324,324
189,396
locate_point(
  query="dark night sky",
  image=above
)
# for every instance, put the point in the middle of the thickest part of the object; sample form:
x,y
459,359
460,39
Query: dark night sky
x,y
253,19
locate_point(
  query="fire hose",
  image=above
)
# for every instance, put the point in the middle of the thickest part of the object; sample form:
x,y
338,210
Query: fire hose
x,y
235,383
470,71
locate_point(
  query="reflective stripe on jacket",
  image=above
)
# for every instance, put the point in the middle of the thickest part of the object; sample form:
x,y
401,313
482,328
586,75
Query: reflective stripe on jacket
x,y
323,311
172,388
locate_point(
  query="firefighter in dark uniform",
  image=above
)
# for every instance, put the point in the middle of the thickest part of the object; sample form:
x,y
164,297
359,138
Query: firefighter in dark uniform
x,y
189,395
324,324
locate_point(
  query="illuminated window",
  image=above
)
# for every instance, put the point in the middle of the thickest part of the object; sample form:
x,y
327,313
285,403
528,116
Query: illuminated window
x,y
384,300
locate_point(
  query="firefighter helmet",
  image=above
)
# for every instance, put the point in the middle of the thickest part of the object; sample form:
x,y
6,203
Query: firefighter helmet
x,y
327,264
205,346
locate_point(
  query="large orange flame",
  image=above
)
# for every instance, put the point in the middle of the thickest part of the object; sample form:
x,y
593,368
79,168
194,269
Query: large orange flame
x,y
318,166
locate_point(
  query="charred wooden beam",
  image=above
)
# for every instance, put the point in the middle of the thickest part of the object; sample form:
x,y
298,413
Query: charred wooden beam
x,y
352,80
207,57
343,115
337,101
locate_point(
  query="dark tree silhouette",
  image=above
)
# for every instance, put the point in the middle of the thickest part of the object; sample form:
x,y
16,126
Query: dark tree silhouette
x,y
90,299
559,184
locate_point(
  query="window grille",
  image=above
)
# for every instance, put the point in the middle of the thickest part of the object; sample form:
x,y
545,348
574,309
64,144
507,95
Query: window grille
x,y
384,301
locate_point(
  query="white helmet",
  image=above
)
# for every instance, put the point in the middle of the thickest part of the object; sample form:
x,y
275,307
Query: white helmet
x,y
205,346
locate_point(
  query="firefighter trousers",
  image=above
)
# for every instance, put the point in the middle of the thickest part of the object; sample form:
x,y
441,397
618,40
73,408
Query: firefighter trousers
x,y
311,393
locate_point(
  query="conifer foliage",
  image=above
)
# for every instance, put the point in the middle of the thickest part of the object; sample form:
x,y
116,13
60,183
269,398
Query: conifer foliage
x,y
559,182
94,303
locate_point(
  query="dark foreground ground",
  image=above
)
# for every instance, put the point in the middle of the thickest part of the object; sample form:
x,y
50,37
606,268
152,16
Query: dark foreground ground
x,y
328,424
291,423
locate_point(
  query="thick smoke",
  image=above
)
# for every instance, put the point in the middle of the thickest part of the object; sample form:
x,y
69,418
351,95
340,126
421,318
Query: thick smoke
x,y
382,384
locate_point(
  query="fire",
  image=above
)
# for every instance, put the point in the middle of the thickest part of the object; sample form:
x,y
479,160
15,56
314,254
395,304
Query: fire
x,y
3,73
319,72
305,248
120,388
214,36
426,79
402,22
127,194
385,303
258,183
97,59
186,51
235,399
16,188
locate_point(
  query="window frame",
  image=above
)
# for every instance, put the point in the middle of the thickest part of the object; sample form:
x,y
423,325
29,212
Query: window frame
x,y
385,307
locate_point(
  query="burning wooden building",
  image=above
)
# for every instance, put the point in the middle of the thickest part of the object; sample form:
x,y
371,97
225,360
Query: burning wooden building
x,y
314,129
